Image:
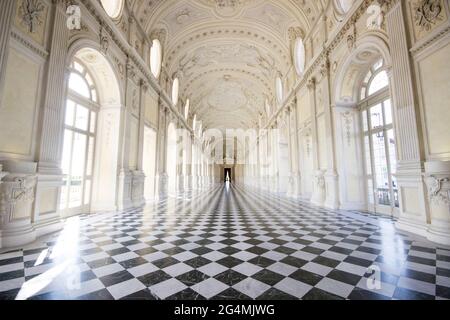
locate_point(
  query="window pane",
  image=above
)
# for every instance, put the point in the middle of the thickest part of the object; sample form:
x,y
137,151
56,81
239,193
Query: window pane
x,y
70,112
155,58
67,149
77,173
82,118
89,80
364,120
78,67
376,116
367,155
78,156
300,56
93,122
392,151
90,157
388,111
381,169
94,95
79,85
379,82
112,7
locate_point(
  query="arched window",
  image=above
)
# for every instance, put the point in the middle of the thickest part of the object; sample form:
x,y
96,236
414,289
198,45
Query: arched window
x,y
379,140
343,6
79,140
156,58
81,83
113,7
194,122
175,91
299,56
375,80
186,109
279,89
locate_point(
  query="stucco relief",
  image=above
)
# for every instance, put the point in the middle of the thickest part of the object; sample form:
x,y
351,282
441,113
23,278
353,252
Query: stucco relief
x,y
427,15
15,190
225,53
436,191
31,18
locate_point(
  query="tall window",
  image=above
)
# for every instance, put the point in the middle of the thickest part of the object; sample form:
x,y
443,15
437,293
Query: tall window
x,y
156,58
343,6
186,109
175,91
379,141
79,140
279,89
113,7
299,56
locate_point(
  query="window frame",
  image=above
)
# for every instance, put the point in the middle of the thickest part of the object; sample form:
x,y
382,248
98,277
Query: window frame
x,y
93,107
365,105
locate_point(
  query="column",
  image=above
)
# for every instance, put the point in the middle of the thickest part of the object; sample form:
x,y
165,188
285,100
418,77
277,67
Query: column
x,y
189,165
414,212
138,176
295,151
49,175
318,196
290,181
180,158
331,176
125,176
161,177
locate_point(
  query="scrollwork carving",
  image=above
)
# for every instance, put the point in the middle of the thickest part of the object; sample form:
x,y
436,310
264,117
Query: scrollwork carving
x,y
427,13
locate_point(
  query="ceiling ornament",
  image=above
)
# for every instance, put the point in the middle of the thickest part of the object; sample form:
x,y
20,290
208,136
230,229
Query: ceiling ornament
x,y
296,32
159,34
227,8
246,54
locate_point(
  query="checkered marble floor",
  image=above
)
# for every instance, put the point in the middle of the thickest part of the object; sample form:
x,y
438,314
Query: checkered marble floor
x,y
229,242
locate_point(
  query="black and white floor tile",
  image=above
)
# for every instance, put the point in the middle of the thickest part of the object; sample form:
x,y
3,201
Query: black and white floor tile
x,y
229,242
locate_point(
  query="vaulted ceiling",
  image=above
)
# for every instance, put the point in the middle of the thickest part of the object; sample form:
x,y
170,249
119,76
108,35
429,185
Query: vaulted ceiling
x,y
226,53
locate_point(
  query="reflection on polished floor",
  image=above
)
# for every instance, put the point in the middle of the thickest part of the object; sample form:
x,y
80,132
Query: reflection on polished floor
x,y
229,243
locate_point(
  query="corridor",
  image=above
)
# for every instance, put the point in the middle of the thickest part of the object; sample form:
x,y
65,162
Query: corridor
x,y
229,242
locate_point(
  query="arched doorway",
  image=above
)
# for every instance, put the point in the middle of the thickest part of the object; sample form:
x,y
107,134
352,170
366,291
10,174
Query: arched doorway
x,y
91,135
364,115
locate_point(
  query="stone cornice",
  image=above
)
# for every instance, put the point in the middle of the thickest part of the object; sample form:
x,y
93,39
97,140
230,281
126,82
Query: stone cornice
x,y
439,34
40,51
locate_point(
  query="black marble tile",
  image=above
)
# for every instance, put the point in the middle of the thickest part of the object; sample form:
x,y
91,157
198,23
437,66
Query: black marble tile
x,y
306,277
230,277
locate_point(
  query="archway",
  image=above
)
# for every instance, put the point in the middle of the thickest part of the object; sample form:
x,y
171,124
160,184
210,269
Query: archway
x,y
366,148
91,137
